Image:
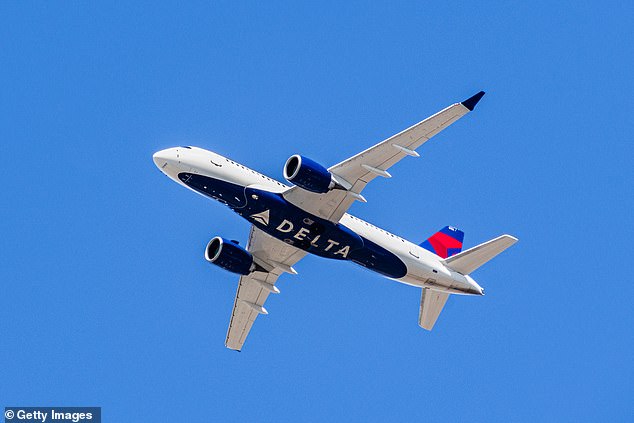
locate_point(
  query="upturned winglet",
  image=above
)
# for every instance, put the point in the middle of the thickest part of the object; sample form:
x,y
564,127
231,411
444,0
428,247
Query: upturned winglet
x,y
471,102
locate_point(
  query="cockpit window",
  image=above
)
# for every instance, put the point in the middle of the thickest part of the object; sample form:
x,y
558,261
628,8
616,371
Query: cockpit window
x,y
186,146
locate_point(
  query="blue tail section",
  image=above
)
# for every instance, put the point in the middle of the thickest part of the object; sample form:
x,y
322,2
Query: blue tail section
x,y
445,243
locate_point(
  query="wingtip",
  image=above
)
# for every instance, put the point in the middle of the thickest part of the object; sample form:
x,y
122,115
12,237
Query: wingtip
x,y
471,102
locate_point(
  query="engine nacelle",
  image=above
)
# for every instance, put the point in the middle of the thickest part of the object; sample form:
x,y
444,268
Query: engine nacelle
x,y
230,256
308,174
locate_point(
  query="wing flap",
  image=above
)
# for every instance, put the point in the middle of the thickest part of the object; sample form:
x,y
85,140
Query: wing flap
x,y
431,304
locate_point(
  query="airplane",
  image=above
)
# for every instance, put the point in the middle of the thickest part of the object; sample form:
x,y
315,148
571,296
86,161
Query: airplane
x,y
288,222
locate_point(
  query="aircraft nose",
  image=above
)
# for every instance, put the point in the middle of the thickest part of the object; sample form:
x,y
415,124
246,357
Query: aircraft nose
x,y
163,157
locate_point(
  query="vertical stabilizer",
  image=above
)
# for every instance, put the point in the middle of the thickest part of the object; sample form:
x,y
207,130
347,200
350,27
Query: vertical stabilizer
x,y
445,243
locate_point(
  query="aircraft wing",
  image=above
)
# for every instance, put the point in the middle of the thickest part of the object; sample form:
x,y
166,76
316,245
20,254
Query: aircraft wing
x,y
276,257
357,171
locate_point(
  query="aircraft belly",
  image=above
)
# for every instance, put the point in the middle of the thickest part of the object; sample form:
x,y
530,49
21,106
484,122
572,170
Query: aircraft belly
x,y
271,213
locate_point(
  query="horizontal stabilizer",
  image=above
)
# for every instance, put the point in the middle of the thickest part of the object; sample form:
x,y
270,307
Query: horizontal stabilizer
x,y
469,260
431,304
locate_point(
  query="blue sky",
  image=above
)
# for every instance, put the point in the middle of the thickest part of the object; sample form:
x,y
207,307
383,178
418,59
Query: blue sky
x,y
107,300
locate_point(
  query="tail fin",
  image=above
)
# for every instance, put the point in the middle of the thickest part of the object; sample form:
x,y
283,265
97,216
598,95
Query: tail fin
x,y
445,243
469,260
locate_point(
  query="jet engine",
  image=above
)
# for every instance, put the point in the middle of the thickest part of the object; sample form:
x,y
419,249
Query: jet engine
x,y
308,174
230,256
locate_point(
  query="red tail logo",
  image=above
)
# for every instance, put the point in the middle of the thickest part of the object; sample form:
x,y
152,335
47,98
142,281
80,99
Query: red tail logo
x,y
445,243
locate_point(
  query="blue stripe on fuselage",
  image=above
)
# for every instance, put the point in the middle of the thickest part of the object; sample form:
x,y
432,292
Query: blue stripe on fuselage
x,y
271,213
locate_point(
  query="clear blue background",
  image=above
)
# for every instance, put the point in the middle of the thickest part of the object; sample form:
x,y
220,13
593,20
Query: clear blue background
x,y
106,298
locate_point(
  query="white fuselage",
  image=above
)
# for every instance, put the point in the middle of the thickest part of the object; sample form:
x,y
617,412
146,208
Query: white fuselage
x,y
424,268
